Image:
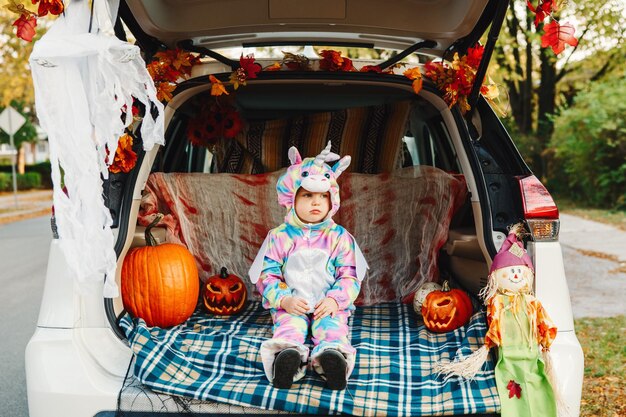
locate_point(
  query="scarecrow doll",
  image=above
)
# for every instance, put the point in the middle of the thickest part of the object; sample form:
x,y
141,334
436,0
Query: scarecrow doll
x,y
521,330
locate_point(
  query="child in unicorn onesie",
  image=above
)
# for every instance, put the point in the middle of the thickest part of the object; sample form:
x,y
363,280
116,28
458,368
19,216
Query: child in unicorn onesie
x,y
309,272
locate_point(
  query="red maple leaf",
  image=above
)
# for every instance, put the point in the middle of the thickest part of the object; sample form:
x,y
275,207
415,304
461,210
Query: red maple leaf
x,y
515,390
558,35
544,8
250,67
26,27
55,7
371,68
333,61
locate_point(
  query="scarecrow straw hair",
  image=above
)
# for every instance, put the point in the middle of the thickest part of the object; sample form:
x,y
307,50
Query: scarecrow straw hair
x,y
466,368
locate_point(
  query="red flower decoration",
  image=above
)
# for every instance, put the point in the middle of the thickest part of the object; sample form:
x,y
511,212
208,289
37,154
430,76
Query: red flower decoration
x,y
515,390
213,122
231,123
558,35
26,27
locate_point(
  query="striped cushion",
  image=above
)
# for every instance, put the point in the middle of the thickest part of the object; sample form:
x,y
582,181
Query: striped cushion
x,y
371,135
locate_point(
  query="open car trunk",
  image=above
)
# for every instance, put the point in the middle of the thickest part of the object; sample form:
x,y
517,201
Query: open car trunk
x,y
404,198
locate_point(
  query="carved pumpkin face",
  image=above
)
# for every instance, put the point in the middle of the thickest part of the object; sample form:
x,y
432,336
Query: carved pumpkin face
x,y
446,310
224,294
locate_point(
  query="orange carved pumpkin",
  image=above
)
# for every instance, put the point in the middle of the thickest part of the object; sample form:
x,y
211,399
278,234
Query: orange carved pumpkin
x,y
224,294
446,310
160,282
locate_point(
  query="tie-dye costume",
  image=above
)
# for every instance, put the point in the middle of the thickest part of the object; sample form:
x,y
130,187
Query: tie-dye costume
x,y
312,261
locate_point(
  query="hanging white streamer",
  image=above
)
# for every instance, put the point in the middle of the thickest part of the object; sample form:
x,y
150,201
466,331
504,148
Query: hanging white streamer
x,y
82,82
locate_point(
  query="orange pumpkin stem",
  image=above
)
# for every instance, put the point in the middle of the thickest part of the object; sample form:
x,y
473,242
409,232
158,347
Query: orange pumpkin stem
x,y
150,240
445,287
223,272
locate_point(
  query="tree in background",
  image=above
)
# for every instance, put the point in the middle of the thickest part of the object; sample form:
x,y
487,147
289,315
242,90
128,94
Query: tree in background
x,y
534,76
589,144
16,84
26,134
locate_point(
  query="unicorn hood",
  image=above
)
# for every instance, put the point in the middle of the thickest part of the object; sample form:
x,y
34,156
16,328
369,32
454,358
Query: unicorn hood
x,y
312,174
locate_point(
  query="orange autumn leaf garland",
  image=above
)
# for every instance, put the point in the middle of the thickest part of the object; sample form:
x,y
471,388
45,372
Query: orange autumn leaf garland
x,y
415,74
333,61
168,69
248,69
454,79
125,158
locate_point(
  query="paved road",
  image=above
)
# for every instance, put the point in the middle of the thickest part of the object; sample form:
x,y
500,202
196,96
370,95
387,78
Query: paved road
x,y
597,288
23,258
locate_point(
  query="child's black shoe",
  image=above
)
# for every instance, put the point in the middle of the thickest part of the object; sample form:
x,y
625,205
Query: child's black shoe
x,y
334,365
286,366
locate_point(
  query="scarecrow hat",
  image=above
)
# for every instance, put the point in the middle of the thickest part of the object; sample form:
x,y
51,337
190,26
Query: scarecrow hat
x,y
512,253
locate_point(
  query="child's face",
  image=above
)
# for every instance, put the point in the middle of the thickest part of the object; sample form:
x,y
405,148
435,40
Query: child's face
x,y
312,207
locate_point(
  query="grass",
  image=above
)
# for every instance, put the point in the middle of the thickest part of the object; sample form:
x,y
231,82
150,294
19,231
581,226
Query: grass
x,y
604,345
615,218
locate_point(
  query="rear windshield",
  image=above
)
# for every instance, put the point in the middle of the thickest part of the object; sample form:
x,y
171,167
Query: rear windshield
x,y
382,129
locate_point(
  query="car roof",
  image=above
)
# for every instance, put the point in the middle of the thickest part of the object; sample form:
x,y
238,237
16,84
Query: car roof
x,y
395,24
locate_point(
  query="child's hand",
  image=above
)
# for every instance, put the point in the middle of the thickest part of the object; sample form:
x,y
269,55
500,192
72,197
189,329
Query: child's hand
x,y
325,307
295,305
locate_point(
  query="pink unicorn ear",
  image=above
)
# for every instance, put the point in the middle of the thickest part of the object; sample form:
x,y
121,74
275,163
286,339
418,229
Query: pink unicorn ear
x,y
294,156
341,166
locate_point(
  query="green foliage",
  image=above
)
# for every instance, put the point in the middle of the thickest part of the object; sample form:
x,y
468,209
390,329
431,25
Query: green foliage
x,y
589,145
42,168
27,132
26,181
5,181
603,341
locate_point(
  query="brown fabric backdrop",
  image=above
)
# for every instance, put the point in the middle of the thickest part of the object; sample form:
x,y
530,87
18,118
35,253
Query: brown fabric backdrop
x,y
372,136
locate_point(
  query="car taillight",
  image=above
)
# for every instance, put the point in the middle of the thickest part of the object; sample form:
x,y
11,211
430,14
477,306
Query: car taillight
x,y
540,211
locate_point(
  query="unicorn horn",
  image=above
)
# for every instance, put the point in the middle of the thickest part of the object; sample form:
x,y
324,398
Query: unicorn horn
x,y
321,158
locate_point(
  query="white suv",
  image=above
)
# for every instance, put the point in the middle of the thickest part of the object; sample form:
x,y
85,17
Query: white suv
x,y
77,362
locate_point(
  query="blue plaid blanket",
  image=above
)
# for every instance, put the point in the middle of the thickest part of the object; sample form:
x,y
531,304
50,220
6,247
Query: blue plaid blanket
x,y
217,359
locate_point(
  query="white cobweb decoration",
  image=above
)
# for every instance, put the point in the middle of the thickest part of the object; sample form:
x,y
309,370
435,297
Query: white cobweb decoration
x,y
83,78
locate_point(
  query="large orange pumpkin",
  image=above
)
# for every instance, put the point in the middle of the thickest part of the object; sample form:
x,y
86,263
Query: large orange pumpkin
x,y
224,294
446,310
160,282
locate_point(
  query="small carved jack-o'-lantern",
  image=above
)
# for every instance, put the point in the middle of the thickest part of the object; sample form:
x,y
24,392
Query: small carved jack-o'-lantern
x,y
446,310
224,294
